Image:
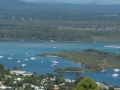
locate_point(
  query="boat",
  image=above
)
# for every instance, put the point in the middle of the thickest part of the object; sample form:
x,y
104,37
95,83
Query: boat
x,y
19,61
116,70
23,65
51,65
42,61
26,59
10,58
55,62
1,56
54,47
103,70
115,75
32,58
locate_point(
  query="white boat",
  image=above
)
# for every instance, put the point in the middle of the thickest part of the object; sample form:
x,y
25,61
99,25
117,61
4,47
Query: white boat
x,y
55,62
12,54
10,58
115,75
54,47
32,58
26,59
51,65
42,61
23,65
1,56
103,70
116,70
19,61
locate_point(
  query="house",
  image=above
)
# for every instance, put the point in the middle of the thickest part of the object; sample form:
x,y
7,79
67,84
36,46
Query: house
x,y
3,87
26,84
7,76
18,79
18,72
55,87
27,74
69,80
102,86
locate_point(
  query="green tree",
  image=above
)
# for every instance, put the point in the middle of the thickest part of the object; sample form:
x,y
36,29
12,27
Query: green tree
x,y
1,66
15,68
86,84
8,82
59,75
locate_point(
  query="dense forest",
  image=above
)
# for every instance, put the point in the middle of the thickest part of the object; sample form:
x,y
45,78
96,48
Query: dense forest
x,y
21,20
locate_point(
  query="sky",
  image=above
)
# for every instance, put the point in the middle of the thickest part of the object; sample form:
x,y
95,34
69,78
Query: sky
x,y
80,1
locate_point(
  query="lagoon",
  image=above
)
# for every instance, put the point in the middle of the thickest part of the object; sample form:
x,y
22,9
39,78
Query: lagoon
x,y
20,50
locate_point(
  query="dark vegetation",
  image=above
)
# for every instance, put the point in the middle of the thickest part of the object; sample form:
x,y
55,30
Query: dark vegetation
x,y
9,80
91,59
60,22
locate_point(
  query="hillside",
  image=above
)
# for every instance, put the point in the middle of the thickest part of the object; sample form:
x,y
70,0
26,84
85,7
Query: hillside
x,y
21,20
59,11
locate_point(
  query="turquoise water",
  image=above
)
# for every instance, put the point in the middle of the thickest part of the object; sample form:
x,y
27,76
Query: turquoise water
x,y
21,50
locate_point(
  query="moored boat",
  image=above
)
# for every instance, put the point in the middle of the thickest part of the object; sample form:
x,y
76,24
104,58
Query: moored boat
x,y
115,75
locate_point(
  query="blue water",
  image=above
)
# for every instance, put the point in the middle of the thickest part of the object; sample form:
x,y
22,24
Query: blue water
x,y
21,50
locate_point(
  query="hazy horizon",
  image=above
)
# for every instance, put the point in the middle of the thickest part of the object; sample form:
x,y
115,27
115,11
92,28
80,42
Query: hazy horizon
x,y
79,1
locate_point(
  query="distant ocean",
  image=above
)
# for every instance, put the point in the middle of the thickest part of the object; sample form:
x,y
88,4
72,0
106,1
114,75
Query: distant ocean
x,y
21,50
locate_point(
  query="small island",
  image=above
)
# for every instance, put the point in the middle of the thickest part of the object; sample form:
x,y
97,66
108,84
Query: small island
x,y
91,59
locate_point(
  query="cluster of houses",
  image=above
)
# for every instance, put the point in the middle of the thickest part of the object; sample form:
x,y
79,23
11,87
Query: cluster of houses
x,y
18,72
14,72
55,87
106,87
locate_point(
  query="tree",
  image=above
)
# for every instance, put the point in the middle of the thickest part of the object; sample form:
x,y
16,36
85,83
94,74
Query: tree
x,y
59,75
15,68
78,79
86,84
8,82
1,66
28,88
